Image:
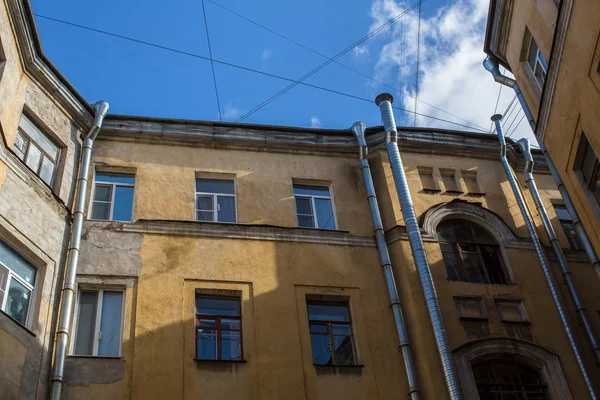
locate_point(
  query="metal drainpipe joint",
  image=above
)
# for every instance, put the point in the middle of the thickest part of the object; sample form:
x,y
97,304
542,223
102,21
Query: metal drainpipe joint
x,y
526,150
358,128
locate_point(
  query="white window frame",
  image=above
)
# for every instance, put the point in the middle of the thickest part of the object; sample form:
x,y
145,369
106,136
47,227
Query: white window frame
x,y
22,132
13,275
539,60
99,304
112,195
215,210
313,205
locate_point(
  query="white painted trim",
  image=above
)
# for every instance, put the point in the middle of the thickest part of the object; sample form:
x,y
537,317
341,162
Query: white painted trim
x,y
313,205
98,320
113,187
13,275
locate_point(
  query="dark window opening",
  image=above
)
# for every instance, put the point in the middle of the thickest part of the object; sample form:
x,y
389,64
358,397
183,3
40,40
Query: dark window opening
x,y
505,379
568,228
218,328
586,163
470,253
331,333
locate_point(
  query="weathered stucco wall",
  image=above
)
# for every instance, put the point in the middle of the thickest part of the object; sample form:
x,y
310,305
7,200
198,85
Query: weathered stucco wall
x,y
575,103
172,260
33,217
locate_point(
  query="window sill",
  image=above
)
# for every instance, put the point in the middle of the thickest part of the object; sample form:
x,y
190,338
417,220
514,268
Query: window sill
x,y
453,192
26,329
107,220
339,366
95,357
201,360
430,191
477,194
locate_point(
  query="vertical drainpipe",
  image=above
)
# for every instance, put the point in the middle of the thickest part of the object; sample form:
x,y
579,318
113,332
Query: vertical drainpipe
x,y
68,290
562,261
541,255
384,101
411,374
492,66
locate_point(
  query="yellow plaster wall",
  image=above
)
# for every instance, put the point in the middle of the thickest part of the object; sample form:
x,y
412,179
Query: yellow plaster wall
x,y
165,182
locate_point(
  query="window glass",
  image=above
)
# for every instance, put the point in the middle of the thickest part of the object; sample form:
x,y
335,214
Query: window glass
x,y
500,379
215,186
99,323
17,301
314,208
123,207
33,158
330,333
324,213
311,190
328,312
226,208
38,137
218,328
113,197
115,178
218,306
110,324
47,170
470,253
17,264
21,143
86,323
320,349
215,200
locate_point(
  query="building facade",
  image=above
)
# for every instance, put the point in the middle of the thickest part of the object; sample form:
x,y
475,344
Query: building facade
x,y
238,261
552,49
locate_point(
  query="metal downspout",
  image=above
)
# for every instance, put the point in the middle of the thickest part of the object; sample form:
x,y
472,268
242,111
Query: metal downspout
x,y
68,290
540,252
384,101
492,66
358,128
562,261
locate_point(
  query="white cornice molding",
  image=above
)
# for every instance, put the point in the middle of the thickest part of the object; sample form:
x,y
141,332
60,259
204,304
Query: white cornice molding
x,y
237,231
39,68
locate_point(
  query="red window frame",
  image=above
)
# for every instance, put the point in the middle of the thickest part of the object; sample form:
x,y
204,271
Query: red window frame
x,y
219,330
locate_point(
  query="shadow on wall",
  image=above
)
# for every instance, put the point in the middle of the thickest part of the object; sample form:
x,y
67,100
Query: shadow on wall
x,y
272,280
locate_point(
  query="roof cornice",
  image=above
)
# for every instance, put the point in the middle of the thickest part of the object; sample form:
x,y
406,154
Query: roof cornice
x,y
40,68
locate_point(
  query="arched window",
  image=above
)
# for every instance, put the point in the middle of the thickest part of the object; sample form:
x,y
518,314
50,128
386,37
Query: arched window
x,y
505,379
470,253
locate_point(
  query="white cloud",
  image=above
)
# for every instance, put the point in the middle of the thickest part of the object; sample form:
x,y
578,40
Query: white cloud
x,y
360,51
451,74
315,122
266,54
231,112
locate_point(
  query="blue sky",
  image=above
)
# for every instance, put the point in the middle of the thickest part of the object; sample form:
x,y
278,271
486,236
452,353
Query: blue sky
x,y
141,80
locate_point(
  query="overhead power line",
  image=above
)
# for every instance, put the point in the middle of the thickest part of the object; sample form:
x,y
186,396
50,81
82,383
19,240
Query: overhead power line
x,y
212,63
243,68
329,61
295,42
418,58
516,126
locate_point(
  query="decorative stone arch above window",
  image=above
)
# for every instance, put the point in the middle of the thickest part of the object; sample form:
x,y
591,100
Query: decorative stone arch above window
x,y
529,354
475,213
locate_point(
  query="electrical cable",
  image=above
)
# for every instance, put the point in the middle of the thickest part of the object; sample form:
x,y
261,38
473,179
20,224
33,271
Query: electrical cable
x,y
329,61
243,68
212,63
418,58
496,107
513,121
516,126
340,63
